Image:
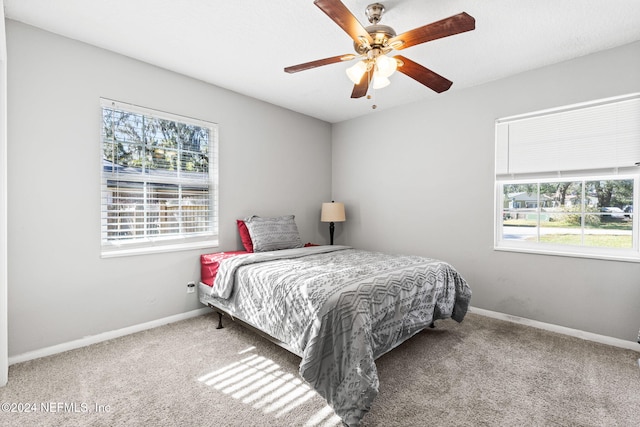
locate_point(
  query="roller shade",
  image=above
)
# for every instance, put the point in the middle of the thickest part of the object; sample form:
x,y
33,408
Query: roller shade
x,y
604,134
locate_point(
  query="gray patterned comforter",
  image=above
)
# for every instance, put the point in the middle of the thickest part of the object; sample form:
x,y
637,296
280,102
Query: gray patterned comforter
x,y
340,308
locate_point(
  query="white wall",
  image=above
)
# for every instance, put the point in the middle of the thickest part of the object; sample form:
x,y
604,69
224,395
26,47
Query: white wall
x,y
423,183
4,354
272,161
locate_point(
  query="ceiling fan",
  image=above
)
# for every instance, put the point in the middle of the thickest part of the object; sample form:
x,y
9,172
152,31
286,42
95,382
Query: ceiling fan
x,y
373,43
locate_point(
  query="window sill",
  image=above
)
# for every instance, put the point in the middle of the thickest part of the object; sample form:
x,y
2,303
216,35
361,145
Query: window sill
x,y
624,257
123,252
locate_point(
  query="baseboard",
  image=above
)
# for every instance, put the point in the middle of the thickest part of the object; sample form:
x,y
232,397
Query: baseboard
x,y
94,339
602,339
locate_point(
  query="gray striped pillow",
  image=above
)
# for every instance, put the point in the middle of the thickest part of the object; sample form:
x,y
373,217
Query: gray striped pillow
x,y
271,234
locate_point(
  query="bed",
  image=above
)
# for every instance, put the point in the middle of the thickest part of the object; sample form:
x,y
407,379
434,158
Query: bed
x,y
338,308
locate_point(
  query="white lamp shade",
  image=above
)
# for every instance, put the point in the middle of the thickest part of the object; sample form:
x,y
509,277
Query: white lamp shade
x,y
332,212
380,81
356,71
385,65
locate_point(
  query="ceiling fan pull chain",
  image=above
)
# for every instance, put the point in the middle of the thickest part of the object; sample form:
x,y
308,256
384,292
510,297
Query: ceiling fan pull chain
x,y
374,105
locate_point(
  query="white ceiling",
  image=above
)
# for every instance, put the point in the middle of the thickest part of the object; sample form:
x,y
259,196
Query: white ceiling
x,y
243,45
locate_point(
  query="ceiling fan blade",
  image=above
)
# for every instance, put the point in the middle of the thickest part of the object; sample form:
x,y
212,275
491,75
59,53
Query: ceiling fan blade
x,y
455,24
338,12
360,89
430,79
319,63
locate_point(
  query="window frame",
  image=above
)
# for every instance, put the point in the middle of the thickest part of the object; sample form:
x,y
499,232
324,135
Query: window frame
x,y
537,247
160,242
504,177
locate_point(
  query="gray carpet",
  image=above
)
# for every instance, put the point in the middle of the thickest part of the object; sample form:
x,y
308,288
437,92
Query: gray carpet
x,y
483,372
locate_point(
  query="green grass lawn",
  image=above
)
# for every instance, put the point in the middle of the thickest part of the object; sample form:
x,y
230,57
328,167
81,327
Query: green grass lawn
x,y
595,240
599,240
604,225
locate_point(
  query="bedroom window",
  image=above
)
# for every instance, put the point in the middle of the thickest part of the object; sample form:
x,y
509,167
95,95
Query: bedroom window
x,y
159,181
568,180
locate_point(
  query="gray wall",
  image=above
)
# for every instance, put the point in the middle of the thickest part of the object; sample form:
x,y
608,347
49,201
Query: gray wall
x,y
420,179
4,328
272,161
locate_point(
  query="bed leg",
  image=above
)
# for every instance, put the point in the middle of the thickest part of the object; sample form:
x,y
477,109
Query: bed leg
x,y
432,325
219,321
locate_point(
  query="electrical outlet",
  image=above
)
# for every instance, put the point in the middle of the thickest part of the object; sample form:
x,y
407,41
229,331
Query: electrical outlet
x,y
191,287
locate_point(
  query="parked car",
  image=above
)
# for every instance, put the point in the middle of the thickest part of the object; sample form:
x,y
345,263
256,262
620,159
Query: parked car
x,y
628,210
612,213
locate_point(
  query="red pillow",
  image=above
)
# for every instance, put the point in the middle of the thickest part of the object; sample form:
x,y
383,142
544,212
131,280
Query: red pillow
x,y
209,264
244,235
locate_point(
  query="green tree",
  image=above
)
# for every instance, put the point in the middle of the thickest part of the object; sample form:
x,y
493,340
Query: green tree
x,y
135,140
612,192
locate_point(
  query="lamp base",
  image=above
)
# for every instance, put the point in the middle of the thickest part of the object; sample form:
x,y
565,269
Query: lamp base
x,y
332,227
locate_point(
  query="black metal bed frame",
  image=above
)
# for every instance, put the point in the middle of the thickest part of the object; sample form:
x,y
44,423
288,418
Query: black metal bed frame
x,y
222,312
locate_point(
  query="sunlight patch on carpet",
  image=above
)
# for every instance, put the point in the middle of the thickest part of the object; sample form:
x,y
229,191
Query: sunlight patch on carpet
x,y
258,381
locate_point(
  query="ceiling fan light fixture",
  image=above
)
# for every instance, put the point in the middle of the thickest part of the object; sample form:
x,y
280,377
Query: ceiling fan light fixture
x,y
380,81
356,71
386,66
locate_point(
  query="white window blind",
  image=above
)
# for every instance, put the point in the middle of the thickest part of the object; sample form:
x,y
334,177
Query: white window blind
x,y
159,180
598,135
